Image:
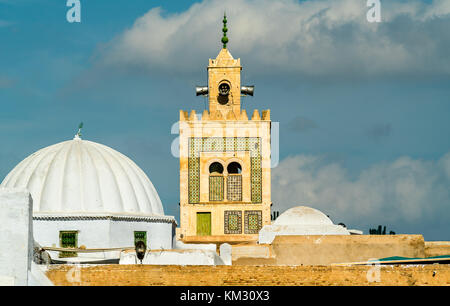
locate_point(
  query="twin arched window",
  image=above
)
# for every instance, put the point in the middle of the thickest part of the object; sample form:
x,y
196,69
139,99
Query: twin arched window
x,y
232,168
234,181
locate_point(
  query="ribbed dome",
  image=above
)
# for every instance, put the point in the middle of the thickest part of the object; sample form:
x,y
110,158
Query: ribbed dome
x,y
83,177
303,215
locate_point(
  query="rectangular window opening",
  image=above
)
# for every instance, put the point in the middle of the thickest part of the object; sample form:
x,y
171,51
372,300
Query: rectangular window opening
x,y
140,236
68,239
234,187
216,188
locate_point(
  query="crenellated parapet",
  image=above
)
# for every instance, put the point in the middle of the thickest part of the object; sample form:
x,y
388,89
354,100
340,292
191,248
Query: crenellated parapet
x,y
218,115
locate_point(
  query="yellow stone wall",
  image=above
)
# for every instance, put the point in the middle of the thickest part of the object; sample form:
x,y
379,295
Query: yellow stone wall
x,y
328,249
437,248
153,275
207,128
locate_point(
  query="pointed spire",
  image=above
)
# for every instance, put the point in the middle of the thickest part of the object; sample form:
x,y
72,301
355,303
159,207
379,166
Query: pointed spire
x,y
78,134
224,30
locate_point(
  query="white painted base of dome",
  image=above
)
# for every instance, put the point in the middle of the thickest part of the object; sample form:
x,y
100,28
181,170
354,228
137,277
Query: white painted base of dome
x,y
104,232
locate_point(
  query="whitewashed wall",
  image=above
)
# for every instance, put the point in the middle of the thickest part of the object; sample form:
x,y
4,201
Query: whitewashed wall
x,y
91,233
159,234
108,233
16,236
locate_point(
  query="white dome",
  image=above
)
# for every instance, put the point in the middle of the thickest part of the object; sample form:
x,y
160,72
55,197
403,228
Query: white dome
x,y
302,215
83,177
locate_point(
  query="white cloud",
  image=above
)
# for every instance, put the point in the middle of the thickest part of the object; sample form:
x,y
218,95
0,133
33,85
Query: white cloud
x,y
311,38
405,191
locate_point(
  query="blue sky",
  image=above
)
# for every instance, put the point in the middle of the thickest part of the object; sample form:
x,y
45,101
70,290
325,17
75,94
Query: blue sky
x,y
358,103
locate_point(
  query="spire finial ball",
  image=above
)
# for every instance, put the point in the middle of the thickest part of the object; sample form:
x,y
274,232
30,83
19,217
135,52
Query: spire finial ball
x,y
224,30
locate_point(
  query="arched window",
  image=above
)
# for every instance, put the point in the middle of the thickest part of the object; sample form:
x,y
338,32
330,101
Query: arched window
x,y
216,184
216,168
234,168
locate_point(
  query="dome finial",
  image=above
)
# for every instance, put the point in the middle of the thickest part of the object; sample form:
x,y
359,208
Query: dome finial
x,y
224,30
78,134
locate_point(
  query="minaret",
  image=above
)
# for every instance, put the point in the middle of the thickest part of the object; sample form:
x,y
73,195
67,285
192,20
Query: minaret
x,y
225,191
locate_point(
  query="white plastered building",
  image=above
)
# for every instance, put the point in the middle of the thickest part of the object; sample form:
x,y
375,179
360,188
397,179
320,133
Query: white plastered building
x,y
88,195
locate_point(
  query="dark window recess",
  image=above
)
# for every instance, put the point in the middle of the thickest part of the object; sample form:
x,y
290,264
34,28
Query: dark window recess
x,y
234,168
68,239
140,236
216,167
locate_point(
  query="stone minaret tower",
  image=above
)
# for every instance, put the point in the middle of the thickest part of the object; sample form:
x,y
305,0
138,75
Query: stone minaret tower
x,y
225,191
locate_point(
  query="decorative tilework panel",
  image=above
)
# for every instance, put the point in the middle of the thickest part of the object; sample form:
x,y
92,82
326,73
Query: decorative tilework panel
x,y
233,222
234,187
216,188
252,221
194,179
224,144
256,179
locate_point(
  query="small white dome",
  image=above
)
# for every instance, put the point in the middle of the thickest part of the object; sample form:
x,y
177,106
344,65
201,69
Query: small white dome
x,y
82,177
302,215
